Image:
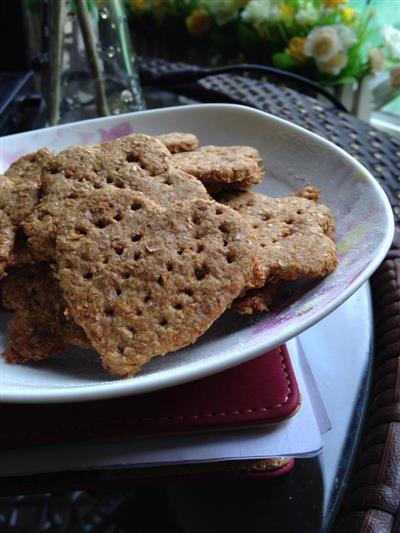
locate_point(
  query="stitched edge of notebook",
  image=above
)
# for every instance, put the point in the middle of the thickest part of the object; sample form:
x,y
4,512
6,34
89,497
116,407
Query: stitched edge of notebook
x,y
67,429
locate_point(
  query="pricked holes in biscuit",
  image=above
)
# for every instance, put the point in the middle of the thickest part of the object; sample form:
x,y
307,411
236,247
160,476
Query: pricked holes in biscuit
x,y
265,217
170,267
136,206
180,251
137,237
196,219
219,210
87,275
201,272
255,226
289,221
160,281
126,274
147,297
188,292
101,223
178,306
230,257
109,311
119,249
199,247
118,217
133,158
137,256
119,184
163,322
81,230
109,179
224,228
167,181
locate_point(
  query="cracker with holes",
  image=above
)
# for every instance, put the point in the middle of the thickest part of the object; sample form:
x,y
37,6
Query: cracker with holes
x,y
19,193
222,167
136,162
39,327
142,280
293,236
179,142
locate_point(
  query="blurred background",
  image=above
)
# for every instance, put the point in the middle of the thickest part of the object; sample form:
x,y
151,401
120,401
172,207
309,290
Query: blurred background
x,y
349,47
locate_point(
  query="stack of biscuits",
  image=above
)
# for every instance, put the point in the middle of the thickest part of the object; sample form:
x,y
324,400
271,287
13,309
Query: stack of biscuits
x,y
135,247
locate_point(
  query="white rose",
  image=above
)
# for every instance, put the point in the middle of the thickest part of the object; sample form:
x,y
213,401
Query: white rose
x,y
323,43
307,15
347,35
391,38
258,11
335,65
223,10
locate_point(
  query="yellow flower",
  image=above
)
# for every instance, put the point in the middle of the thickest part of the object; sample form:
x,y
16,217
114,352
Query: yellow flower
x,y
348,14
138,4
296,48
333,3
198,22
286,11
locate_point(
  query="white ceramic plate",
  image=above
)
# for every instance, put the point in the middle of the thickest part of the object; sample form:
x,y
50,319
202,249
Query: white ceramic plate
x,y
293,157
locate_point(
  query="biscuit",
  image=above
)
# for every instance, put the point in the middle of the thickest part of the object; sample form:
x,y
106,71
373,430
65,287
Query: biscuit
x,y
39,327
293,238
222,167
19,193
179,142
135,162
7,228
142,280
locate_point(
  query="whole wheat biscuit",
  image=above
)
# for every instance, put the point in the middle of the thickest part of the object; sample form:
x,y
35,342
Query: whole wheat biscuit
x,y
142,280
19,193
39,327
222,167
7,228
25,176
78,171
293,236
179,142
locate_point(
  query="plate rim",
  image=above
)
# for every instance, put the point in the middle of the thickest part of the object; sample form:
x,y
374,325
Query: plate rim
x,y
118,388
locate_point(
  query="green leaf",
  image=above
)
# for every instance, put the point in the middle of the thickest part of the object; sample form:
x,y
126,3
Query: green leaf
x,y
284,60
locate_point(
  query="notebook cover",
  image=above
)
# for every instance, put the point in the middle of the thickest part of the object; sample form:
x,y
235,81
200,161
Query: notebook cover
x,y
258,392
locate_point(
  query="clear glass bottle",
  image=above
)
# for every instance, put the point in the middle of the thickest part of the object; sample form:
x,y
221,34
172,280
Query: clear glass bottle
x,y
88,62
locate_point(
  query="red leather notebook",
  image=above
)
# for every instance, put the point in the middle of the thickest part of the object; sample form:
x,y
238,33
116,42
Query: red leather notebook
x,y
261,391
258,392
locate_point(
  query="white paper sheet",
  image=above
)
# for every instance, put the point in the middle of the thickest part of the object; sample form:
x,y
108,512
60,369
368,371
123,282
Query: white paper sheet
x,y
300,436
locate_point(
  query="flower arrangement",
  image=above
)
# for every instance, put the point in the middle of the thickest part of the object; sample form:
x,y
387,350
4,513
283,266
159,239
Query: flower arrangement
x,y
322,39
